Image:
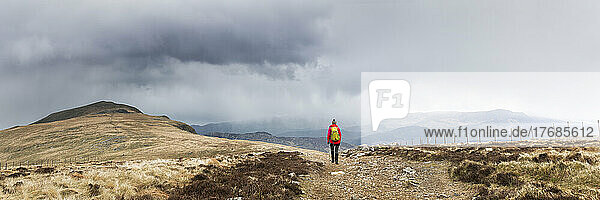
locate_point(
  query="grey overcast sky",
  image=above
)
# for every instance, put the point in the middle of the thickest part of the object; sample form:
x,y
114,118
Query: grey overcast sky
x,y
209,61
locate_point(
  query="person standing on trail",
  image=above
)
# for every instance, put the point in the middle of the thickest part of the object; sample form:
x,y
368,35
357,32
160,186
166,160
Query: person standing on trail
x,y
334,138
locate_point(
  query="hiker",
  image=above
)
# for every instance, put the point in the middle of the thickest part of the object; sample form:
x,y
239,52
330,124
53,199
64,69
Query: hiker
x,y
334,138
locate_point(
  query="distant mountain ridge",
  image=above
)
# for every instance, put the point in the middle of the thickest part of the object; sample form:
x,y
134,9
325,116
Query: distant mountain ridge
x,y
412,128
391,130
275,125
445,119
312,143
350,135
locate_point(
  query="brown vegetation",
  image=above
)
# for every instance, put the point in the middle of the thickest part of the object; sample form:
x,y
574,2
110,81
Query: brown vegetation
x,y
263,175
270,176
515,173
113,151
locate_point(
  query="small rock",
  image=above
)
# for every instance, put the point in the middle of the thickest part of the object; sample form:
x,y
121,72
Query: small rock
x,y
338,173
409,170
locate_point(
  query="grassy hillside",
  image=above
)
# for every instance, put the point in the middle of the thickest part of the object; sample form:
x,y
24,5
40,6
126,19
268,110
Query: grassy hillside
x,y
121,153
253,176
112,136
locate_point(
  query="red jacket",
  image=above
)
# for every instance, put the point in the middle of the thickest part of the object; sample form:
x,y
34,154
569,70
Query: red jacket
x,y
329,134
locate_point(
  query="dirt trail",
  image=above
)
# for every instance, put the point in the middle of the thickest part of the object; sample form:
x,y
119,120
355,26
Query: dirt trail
x,y
381,177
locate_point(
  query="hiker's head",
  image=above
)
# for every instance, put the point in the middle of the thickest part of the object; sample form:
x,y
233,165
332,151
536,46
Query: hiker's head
x,y
333,122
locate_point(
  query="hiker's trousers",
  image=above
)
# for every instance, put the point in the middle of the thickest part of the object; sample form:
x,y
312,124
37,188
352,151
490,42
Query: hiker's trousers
x,y
334,152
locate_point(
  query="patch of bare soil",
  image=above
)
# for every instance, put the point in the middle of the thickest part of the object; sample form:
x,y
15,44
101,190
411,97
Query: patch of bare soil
x,y
269,176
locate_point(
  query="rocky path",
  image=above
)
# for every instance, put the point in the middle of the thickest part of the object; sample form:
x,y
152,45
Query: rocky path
x,y
381,177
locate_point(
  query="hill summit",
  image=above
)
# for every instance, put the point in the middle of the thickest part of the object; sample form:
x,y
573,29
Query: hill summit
x,y
108,131
101,107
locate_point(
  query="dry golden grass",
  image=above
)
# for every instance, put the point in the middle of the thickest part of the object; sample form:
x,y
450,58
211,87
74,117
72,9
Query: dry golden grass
x,y
576,173
113,137
126,180
137,156
259,175
545,173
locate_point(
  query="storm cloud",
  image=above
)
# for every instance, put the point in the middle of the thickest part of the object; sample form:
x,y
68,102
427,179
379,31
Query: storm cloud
x,y
270,38
210,61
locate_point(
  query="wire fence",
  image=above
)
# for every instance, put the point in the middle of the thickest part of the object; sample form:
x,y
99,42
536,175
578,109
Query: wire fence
x,y
7,164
